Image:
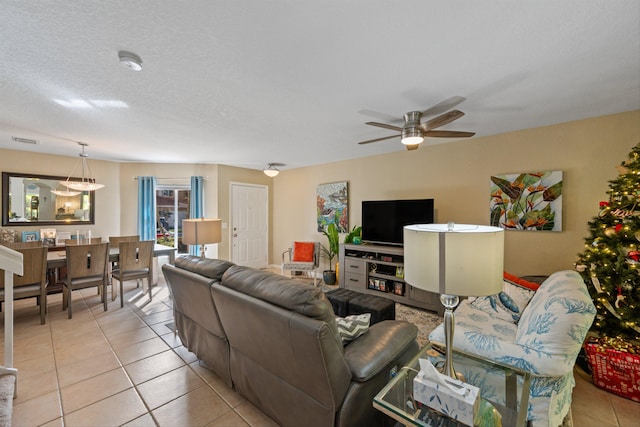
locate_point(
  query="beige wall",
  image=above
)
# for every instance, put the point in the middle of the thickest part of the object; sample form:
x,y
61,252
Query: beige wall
x,y
107,199
456,175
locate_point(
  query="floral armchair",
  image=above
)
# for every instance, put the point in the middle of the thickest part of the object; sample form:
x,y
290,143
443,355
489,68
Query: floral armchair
x,y
542,335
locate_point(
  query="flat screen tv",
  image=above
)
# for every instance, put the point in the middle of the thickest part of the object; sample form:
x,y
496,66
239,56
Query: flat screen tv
x,y
383,220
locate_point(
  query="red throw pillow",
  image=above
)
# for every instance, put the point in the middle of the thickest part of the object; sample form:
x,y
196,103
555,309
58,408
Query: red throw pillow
x,y
303,251
519,281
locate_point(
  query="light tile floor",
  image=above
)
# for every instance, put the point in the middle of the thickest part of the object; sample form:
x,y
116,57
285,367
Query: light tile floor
x,y
125,367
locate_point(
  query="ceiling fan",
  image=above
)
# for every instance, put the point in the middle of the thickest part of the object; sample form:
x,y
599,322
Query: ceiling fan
x,y
415,130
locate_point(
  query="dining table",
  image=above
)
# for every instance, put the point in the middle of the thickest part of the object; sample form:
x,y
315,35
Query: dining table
x,y
57,259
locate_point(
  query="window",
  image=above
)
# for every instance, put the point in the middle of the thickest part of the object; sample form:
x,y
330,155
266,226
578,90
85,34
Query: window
x,y
172,204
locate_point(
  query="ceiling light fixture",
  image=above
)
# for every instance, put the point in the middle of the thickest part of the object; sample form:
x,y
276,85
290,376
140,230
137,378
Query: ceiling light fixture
x,y
65,193
87,183
272,170
411,132
130,60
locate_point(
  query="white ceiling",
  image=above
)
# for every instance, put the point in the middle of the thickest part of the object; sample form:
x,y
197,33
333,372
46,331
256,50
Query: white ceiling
x,y
249,82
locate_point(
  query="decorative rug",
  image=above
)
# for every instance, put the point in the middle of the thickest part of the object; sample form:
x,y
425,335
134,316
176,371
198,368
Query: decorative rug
x,y
426,321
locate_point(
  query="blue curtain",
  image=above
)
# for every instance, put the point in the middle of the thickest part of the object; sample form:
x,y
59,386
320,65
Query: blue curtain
x,y
147,207
196,206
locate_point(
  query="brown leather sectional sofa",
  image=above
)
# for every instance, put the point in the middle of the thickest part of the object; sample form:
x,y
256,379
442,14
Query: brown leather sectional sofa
x,y
275,341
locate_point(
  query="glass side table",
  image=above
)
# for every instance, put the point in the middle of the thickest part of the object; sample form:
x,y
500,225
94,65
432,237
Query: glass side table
x,y
508,395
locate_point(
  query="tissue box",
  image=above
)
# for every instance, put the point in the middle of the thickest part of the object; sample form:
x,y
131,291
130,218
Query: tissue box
x,y
442,399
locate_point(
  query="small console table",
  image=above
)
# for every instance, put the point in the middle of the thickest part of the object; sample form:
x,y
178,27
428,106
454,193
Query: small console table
x,y
379,270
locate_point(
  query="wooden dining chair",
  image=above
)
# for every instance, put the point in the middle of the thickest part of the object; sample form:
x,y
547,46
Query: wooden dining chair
x,y
33,282
87,267
134,262
114,241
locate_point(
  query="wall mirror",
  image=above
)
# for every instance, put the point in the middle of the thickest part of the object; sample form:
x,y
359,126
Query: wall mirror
x,y
28,199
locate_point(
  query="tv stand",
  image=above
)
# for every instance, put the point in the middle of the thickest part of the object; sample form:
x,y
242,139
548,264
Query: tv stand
x,y
379,270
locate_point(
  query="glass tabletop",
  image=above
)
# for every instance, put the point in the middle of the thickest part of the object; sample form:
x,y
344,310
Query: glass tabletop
x,y
503,391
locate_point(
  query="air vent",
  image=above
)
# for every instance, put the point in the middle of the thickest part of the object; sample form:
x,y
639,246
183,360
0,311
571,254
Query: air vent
x,y
25,140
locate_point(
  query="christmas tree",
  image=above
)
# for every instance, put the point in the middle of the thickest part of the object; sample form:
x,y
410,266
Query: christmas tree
x,y
610,263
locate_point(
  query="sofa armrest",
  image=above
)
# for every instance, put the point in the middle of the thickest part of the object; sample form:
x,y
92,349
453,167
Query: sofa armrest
x,y
383,343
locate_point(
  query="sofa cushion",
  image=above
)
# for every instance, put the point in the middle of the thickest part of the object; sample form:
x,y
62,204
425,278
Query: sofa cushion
x,y
207,267
351,327
282,291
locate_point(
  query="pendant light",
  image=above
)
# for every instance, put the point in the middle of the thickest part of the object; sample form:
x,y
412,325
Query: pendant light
x,y
87,183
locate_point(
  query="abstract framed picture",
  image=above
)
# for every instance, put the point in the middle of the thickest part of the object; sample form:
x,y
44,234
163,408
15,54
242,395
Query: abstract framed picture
x,y
332,206
530,201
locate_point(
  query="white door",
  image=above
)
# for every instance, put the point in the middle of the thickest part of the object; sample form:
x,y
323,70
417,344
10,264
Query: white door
x,y
249,225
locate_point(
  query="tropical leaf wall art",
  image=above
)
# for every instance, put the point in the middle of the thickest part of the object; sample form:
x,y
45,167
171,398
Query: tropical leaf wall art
x,y
527,201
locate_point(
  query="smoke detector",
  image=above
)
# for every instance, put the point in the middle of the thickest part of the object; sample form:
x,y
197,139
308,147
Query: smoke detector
x,y
130,60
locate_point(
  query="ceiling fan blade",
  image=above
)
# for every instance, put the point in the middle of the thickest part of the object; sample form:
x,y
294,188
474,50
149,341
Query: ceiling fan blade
x,y
377,139
384,125
443,106
448,134
381,116
412,147
443,119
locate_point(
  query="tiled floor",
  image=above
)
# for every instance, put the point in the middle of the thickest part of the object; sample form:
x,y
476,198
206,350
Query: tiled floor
x,y
120,367
125,367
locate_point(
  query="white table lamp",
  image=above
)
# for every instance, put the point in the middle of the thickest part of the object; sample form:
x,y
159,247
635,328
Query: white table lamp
x,y
454,260
201,231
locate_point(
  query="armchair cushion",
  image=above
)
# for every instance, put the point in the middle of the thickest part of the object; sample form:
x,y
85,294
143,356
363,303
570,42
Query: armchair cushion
x,y
303,251
520,281
507,305
557,320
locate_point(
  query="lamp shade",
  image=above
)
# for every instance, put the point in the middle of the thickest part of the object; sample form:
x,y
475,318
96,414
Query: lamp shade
x,y
201,231
454,259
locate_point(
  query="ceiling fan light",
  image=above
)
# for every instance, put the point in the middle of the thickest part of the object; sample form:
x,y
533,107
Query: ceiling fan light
x,y
411,136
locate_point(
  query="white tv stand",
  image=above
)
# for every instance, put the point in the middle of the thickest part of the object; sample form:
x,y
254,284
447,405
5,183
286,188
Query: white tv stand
x,y
379,270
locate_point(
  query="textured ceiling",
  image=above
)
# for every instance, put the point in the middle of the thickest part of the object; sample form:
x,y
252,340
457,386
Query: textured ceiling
x,y
249,82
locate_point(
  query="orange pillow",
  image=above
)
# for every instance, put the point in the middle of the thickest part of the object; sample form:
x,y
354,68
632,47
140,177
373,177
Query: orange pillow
x,y
519,281
303,251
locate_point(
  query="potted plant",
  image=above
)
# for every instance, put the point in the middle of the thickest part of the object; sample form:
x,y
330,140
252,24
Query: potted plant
x,y
331,232
354,235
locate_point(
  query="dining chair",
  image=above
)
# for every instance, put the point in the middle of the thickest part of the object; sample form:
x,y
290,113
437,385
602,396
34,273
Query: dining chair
x,y
134,262
114,241
87,267
33,282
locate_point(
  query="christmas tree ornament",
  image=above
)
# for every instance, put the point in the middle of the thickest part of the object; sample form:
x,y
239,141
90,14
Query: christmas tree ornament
x,y
610,231
619,297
